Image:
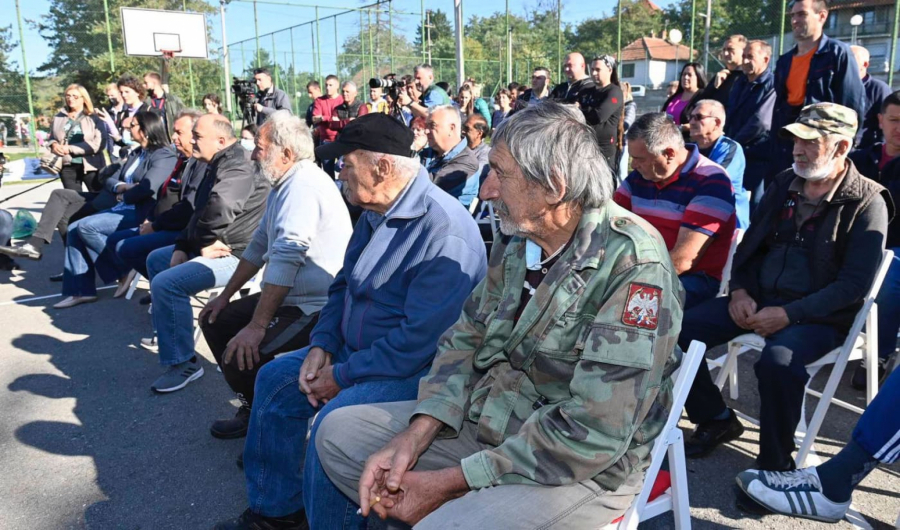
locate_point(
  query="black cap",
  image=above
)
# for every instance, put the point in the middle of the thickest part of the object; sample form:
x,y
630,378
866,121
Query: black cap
x,y
374,132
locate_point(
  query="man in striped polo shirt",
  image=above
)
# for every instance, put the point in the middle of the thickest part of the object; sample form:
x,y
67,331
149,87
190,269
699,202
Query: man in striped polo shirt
x,y
685,196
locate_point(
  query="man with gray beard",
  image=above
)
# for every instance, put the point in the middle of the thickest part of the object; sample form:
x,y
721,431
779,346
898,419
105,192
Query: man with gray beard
x,y
301,242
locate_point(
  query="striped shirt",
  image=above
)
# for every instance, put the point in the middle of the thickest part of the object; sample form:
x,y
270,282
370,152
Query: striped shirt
x,y
699,197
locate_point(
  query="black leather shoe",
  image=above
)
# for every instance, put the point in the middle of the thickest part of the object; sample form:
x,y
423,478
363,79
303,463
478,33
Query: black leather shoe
x,y
707,436
858,381
145,300
57,277
253,521
232,428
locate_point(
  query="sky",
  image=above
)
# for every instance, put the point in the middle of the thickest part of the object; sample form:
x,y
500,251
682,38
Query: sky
x,y
239,19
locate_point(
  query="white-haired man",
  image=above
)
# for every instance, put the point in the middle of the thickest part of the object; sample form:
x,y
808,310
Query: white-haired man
x,y
549,390
413,258
301,242
707,125
798,280
876,92
350,109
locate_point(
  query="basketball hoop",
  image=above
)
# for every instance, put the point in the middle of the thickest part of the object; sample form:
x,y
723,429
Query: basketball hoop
x,y
168,54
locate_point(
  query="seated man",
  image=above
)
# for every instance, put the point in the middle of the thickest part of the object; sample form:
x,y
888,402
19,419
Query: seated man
x,y
452,162
413,258
828,488
301,241
881,163
707,122
227,210
474,130
686,197
172,210
798,280
546,395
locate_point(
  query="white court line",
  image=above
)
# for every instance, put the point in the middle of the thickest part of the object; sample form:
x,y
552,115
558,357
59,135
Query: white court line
x,y
33,299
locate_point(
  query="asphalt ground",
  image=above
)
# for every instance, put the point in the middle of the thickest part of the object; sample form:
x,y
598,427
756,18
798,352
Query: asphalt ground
x,y
84,443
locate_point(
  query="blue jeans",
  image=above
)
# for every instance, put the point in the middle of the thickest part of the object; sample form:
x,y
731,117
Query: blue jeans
x,y
87,251
698,288
878,430
780,373
888,301
132,248
280,478
171,290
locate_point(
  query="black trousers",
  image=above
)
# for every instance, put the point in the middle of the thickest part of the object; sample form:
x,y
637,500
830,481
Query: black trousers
x,y
63,207
73,175
289,330
780,373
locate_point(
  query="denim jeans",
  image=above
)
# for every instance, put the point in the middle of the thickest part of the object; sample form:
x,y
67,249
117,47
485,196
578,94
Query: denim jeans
x,y
888,301
132,248
87,251
281,479
698,288
780,373
171,290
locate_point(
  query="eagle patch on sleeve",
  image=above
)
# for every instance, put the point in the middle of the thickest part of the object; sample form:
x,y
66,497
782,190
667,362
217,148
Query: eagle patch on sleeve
x,y
642,306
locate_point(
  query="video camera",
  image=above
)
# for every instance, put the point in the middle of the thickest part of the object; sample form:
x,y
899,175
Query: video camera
x,y
389,84
245,91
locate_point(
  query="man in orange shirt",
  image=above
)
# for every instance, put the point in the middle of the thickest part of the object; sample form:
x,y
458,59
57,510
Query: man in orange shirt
x,y
817,69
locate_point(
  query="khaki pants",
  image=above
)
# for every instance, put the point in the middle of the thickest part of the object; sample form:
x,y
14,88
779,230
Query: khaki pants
x,y
349,435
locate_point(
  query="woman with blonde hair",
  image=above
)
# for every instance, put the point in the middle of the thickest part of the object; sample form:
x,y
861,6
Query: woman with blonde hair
x,y
77,135
469,104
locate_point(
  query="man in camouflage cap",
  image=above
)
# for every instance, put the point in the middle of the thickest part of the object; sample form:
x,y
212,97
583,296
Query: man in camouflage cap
x,y
546,394
798,280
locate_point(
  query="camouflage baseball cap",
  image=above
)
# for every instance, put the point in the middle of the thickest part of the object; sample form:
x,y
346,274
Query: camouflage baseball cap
x,y
820,119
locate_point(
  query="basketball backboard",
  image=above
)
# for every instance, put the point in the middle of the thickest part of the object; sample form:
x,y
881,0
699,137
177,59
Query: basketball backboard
x,y
150,32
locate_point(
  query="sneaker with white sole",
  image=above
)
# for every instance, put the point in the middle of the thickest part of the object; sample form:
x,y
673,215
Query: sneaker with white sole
x,y
177,377
150,344
797,493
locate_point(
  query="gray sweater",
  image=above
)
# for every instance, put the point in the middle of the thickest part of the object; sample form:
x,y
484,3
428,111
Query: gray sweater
x,y
302,236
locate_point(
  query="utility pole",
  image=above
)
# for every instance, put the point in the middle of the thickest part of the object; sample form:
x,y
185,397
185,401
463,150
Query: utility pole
x,y
708,21
460,59
428,27
226,58
508,47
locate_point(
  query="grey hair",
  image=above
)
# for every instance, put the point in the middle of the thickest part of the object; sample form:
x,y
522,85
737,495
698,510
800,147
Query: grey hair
x,y
193,114
287,131
349,84
553,146
404,167
424,67
658,132
715,106
450,109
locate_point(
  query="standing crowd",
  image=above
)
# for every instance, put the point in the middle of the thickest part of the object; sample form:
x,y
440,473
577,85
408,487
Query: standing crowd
x,y
403,358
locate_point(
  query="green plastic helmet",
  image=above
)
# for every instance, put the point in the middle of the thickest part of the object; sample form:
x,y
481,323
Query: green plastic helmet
x,y
24,224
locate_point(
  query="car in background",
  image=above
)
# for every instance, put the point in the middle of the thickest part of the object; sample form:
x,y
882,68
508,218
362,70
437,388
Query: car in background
x,y
638,91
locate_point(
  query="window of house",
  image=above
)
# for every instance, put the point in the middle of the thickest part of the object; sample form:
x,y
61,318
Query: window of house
x,y
628,70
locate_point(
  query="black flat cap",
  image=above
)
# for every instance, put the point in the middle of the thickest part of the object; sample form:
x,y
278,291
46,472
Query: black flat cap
x,y
374,132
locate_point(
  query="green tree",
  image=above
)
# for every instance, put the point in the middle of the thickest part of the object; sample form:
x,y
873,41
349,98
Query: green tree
x,y
596,36
13,97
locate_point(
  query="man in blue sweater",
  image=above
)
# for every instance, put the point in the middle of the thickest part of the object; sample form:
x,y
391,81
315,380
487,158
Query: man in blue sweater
x,y
413,258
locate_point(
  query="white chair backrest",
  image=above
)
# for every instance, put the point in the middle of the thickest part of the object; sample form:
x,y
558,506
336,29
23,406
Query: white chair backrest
x,y
860,321
474,206
684,378
726,271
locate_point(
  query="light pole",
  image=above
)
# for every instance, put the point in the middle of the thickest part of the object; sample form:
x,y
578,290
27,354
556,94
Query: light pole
x,y
675,38
855,21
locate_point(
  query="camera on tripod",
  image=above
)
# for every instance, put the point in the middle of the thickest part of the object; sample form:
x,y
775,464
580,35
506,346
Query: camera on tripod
x,y
389,84
245,91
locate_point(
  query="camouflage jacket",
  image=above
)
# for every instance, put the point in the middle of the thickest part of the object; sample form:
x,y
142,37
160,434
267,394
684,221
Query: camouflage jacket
x,y
580,387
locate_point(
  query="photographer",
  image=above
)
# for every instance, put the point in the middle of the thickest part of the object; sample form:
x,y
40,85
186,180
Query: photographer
x,y
423,94
270,98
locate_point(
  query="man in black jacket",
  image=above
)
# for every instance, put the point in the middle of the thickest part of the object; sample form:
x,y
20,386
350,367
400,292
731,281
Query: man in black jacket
x,y
174,205
227,209
798,279
881,163
579,84
270,98
732,54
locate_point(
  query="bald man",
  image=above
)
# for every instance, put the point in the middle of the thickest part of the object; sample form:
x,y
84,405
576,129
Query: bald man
x,y
876,91
578,82
228,206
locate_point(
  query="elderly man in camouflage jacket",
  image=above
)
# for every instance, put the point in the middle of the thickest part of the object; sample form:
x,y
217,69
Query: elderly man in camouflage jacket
x,y
556,378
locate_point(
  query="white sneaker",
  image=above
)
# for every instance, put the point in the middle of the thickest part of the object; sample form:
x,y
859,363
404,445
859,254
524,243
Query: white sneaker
x,y
150,344
797,493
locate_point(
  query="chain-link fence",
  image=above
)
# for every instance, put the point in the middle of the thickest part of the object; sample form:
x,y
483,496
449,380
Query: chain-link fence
x,y
392,36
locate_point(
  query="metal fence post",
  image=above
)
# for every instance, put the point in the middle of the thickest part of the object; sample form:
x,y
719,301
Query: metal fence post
x,y
294,74
256,33
275,62
559,39
27,79
337,53
318,46
371,47
190,68
693,21
362,44
891,67
391,32
508,46
781,31
112,58
619,37
424,44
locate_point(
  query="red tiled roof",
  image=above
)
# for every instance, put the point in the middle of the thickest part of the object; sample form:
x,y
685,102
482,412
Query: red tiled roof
x,y
656,49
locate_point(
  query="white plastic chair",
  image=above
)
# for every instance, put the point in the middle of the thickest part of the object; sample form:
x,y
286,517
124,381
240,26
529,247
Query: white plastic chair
x,y
671,442
856,346
726,271
133,286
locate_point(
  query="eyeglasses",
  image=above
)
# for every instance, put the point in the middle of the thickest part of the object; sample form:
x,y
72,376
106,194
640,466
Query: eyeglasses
x,y
699,117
